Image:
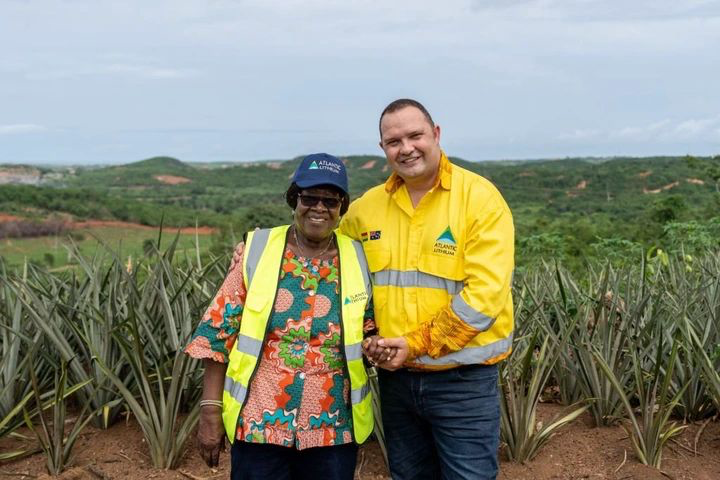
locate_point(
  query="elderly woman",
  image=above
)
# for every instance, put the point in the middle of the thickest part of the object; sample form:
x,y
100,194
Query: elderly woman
x,y
284,376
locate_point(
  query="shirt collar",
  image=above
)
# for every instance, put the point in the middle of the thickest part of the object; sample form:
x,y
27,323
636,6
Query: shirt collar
x,y
444,178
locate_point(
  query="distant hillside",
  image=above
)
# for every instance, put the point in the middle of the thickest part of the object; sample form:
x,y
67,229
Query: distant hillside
x,y
569,204
158,163
568,184
150,172
26,175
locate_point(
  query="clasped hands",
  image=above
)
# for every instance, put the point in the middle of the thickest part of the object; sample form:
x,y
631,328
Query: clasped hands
x,y
388,353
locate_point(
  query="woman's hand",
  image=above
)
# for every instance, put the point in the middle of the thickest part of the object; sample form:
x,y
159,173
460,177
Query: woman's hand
x,y
211,434
375,353
400,349
211,431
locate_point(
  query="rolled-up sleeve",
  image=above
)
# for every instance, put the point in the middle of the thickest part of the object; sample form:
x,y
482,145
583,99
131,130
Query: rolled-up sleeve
x,y
216,333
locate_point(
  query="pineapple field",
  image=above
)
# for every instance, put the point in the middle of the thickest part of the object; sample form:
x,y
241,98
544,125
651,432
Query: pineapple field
x,y
614,373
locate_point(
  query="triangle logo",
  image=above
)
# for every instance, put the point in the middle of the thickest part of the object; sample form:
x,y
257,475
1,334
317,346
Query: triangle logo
x,y
313,166
446,237
347,300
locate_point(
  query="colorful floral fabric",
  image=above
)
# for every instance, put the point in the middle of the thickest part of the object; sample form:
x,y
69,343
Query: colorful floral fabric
x,y
299,395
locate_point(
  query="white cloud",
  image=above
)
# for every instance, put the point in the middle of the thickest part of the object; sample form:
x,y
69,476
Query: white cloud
x,y
77,70
697,127
581,134
603,10
643,132
693,129
20,128
147,71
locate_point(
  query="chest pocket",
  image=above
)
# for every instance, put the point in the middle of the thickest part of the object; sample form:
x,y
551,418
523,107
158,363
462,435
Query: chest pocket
x,y
446,266
378,259
256,302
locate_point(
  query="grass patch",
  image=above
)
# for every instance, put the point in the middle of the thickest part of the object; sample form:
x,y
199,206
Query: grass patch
x,y
52,251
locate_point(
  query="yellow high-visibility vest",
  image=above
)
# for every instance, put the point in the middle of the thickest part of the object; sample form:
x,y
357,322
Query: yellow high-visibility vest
x,y
261,268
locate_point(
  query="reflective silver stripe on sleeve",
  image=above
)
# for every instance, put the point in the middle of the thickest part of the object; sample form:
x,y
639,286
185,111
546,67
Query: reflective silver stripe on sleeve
x,y
249,345
470,355
359,394
257,246
364,267
353,352
469,315
414,278
235,389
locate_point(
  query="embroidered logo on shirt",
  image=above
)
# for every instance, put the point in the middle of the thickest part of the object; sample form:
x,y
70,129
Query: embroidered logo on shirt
x,y
445,243
356,297
446,237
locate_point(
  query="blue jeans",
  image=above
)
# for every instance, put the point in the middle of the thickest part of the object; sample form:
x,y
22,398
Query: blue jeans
x,y
261,461
441,424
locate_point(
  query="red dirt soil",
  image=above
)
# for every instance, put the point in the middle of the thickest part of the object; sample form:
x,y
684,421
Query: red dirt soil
x,y
171,179
119,224
577,451
5,217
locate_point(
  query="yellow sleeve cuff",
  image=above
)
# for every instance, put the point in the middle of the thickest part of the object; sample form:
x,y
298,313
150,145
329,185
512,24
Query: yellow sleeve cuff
x,y
444,334
418,340
448,334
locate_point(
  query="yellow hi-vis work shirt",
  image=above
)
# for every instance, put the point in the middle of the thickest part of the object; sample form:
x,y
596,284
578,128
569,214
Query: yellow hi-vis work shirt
x,y
442,271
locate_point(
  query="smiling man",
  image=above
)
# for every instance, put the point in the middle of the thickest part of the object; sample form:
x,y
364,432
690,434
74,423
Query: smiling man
x,y
439,241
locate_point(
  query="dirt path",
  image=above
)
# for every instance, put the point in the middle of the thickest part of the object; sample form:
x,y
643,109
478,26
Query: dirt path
x,y
137,226
73,225
4,217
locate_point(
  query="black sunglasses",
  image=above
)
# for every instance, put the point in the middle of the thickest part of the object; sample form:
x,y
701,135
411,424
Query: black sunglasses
x,y
311,200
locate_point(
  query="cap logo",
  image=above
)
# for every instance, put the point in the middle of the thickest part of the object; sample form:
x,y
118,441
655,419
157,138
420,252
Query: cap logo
x,y
325,165
321,169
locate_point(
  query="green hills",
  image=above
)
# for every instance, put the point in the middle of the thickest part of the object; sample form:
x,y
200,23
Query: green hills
x,y
561,207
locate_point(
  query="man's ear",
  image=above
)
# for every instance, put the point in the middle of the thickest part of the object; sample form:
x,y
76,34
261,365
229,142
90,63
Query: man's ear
x,y
436,134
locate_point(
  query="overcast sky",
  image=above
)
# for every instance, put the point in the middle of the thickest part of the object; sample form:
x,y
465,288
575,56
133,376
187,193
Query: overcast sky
x,y
93,81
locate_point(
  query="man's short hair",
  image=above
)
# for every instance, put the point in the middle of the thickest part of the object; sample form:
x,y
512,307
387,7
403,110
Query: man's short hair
x,y
401,103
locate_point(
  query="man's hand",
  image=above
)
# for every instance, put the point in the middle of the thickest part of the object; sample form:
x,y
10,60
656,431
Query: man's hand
x,y
211,434
375,353
400,346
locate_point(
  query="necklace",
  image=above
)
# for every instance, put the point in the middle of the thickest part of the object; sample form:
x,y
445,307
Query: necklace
x,y
306,257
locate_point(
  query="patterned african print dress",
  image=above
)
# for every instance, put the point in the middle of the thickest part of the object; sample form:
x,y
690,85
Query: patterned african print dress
x,y
299,396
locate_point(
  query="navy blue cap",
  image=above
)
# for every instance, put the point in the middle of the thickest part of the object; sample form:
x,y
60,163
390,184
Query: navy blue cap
x,y
321,169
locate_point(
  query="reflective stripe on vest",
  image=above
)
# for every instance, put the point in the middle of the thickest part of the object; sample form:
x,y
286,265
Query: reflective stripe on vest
x,y
261,270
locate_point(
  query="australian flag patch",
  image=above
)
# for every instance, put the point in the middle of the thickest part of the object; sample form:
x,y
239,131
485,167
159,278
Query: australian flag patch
x,y
371,235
